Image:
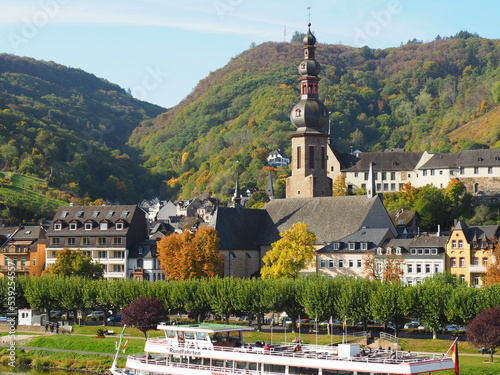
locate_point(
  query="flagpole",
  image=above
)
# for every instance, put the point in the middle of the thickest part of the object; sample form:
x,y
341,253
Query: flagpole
x,y
316,329
456,338
299,329
115,360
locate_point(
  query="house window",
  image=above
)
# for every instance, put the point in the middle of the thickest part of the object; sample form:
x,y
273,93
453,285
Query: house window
x,y
393,187
71,241
341,263
460,244
54,241
102,254
87,253
351,263
454,244
424,172
475,280
103,225
427,268
331,263
88,226
366,176
398,251
462,262
34,261
359,263
119,226
475,261
462,278
352,245
323,157
410,268
57,226
386,187
355,174
72,226
118,254
419,268
336,245
384,176
379,187
462,170
485,262
476,170
101,241
364,246
322,263
453,262
490,170
433,172
393,176
116,241
118,267
86,241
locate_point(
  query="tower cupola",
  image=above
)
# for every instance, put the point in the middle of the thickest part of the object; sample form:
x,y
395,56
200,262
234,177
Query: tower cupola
x,y
309,114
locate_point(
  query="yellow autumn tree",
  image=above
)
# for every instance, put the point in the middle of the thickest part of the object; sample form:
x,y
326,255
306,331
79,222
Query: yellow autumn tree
x,y
189,255
339,186
290,254
391,267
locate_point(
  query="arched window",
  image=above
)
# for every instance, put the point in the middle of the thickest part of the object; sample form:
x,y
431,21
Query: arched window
x,y
140,263
298,112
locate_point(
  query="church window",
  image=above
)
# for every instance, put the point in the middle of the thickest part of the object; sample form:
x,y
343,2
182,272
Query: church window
x,y
297,113
311,157
323,159
299,157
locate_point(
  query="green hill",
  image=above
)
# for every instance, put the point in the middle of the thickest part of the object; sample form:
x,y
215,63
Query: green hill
x,y
71,129
413,96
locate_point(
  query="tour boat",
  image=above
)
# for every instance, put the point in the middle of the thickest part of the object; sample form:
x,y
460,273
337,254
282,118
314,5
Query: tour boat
x,y
219,349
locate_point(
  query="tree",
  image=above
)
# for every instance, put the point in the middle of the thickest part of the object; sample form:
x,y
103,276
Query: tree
x,y
484,330
297,37
493,271
290,254
187,255
257,200
76,263
339,186
388,303
391,267
144,314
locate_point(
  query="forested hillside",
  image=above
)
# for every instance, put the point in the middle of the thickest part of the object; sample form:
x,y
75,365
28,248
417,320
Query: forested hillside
x,y
411,97
70,128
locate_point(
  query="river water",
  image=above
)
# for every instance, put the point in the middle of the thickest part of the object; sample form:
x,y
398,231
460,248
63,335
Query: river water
x,y
7,370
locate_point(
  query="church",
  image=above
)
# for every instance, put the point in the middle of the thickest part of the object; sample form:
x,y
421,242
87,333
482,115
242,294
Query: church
x,y
246,234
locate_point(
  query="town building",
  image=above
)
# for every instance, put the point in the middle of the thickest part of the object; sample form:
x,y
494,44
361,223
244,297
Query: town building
x,y
24,249
469,251
106,233
277,159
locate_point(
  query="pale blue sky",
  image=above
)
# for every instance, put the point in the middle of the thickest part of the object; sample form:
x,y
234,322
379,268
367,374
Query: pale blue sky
x,y
160,49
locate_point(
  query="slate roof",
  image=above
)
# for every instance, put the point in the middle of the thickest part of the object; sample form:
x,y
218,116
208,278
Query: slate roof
x,y
385,161
148,249
441,161
429,241
404,217
329,218
403,243
239,228
373,237
95,214
479,158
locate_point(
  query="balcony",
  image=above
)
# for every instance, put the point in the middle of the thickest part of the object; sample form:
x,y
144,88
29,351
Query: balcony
x,y
477,268
18,269
15,250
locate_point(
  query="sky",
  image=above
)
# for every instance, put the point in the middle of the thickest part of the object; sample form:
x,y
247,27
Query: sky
x,y
161,49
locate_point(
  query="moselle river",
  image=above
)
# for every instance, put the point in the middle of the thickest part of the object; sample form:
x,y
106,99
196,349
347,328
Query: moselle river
x,y
8,370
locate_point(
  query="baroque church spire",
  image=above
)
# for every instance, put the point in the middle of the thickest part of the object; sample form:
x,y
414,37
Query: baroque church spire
x,y
309,143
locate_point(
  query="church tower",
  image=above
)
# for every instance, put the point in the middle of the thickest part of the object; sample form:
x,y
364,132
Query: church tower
x,y
309,144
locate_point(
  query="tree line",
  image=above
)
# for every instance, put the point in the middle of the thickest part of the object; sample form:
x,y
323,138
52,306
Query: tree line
x,y
436,302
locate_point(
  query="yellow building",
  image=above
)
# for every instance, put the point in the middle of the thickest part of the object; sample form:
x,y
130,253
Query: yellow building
x,y
468,251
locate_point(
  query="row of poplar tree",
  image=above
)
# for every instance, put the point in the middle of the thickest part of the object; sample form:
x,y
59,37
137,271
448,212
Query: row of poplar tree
x,y
436,302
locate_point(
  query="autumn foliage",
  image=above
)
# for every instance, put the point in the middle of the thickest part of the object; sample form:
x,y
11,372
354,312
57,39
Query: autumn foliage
x,y
493,271
484,330
187,255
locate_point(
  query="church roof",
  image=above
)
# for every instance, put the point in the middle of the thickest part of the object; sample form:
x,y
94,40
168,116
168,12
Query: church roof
x,y
329,218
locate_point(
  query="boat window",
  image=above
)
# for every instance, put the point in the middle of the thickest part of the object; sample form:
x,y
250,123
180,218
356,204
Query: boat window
x,y
189,335
170,334
201,336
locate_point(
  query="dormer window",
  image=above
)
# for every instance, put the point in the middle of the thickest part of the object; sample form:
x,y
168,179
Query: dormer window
x,y
88,226
336,245
73,226
111,213
64,214
352,245
103,225
95,214
364,246
379,251
389,251
398,251
119,226
79,214
57,226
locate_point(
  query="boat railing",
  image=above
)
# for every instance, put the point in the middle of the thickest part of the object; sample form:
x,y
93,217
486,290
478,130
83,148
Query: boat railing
x,y
319,352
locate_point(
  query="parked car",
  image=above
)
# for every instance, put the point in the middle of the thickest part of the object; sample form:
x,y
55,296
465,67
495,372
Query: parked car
x,y
95,314
412,325
115,318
